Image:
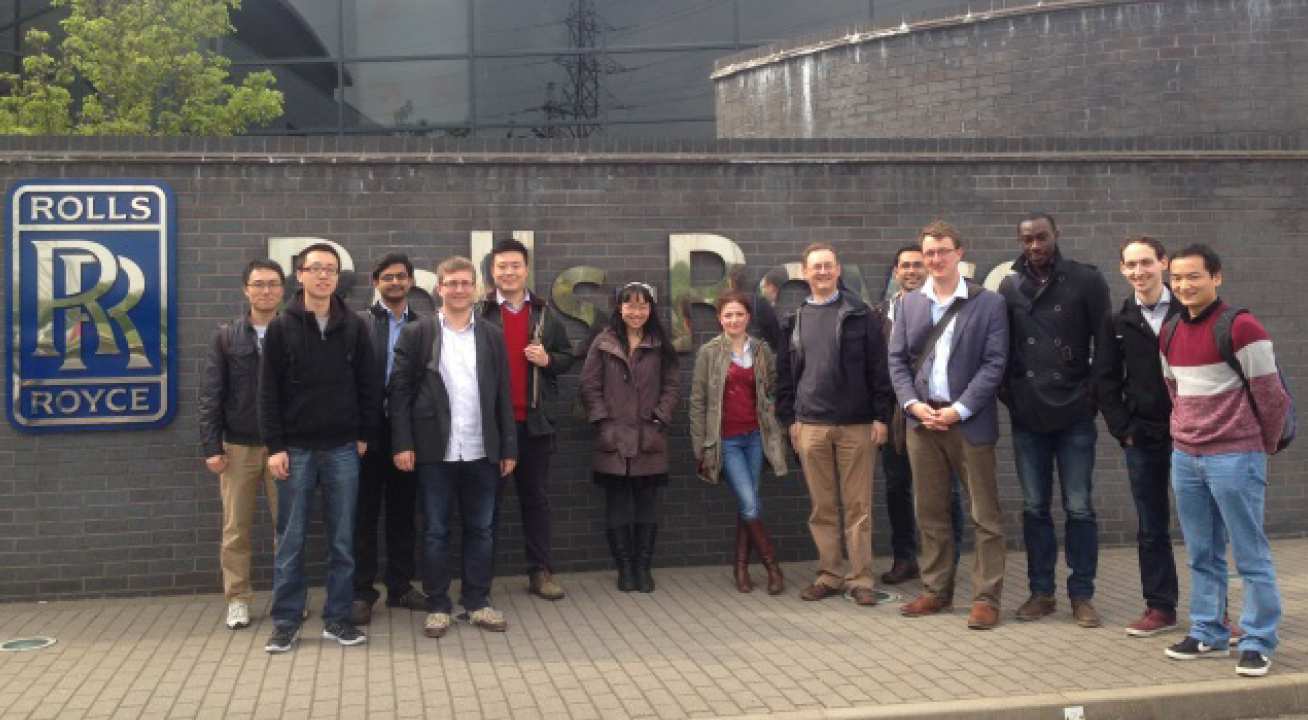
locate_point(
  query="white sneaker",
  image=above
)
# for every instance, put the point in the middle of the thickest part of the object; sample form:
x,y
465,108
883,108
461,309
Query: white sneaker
x,y
436,624
238,615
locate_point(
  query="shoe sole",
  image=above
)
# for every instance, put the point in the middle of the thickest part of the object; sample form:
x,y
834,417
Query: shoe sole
x,y
238,626
545,596
1253,672
1133,632
1090,625
1199,656
279,649
434,633
348,643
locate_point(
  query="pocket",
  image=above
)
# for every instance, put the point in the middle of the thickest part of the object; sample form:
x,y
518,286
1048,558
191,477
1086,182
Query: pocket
x,y
606,438
652,439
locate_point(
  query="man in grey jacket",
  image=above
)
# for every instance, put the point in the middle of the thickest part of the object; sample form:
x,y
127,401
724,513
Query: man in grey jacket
x,y
451,419
947,355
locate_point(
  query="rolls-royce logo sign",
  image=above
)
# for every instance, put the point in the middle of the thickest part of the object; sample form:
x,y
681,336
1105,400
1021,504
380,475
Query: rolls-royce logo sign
x,y
91,323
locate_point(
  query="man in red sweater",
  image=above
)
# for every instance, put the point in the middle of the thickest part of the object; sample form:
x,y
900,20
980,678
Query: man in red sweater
x,y
539,352
1222,432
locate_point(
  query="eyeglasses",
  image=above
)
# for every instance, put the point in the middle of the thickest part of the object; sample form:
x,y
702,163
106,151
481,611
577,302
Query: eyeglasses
x,y
394,277
321,270
458,284
261,285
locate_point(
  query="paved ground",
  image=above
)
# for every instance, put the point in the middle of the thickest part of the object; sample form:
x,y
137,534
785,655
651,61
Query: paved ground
x,y
694,648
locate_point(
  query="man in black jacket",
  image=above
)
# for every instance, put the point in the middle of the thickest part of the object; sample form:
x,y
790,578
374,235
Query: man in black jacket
x,y
1135,405
452,421
318,388
834,394
229,429
1056,310
538,353
381,484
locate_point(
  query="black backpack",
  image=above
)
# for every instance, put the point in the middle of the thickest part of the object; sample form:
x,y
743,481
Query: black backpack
x,y
1226,348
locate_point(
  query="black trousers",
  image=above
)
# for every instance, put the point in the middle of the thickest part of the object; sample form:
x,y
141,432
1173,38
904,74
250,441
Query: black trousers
x,y
530,480
1150,469
383,486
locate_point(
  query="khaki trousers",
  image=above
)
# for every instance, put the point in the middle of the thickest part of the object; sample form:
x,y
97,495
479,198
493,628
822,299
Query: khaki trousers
x,y
838,467
247,469
935,456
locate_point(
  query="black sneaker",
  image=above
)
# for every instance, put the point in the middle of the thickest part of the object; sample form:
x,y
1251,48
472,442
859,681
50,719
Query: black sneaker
x,y
282,640
343,633
1192,649
1253,664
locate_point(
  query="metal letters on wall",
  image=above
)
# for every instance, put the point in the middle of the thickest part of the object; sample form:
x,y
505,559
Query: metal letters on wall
x,y
91,328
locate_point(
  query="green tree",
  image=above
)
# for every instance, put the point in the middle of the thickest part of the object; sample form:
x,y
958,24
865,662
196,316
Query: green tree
x,y
140,67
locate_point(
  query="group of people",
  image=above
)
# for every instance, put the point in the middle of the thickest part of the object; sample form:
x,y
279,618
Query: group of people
x,y
387,411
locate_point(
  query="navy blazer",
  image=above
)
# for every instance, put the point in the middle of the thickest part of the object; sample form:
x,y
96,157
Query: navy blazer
x,y
977,357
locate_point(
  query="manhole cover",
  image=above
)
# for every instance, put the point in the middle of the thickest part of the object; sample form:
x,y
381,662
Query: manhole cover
x,y
21,644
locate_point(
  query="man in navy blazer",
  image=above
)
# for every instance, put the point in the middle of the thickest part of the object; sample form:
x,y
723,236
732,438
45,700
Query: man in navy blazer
x,y
947,390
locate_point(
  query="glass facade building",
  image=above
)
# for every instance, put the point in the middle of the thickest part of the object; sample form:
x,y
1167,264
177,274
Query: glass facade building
x,y
506,68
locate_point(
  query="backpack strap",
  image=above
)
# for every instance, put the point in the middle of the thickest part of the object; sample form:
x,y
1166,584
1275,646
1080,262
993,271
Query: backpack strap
x,y
1226,348
1169,332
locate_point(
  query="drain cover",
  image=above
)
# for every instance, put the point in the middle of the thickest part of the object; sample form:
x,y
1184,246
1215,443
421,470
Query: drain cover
x,y
888,597
32,643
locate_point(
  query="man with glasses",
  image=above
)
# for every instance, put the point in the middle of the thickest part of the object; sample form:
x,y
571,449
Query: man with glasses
x,y
318,391
381,484
229,430
451,417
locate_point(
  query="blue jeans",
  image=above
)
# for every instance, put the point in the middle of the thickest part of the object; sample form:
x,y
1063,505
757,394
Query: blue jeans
x,y
1216,494
1074,451
336,471
473,484
1148,469
742,463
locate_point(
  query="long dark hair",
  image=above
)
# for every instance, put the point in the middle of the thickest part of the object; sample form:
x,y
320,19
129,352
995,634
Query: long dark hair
x,y
653,326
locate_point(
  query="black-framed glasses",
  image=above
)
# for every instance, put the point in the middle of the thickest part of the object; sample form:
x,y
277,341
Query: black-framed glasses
x,y
321,270
264,285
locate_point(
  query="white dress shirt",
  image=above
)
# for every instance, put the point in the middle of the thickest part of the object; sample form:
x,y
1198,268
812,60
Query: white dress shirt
x,y
1158,313
458,368
938,377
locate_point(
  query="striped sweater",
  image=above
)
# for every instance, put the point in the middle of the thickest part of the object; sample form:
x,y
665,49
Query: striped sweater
x,y
1211,413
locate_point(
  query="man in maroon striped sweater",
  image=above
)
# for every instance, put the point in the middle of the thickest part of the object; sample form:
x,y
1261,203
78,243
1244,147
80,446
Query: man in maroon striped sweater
x,y
1222,434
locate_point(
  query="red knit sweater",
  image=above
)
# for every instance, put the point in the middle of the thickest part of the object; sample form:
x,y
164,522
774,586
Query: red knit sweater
x,y
516,335
1211,413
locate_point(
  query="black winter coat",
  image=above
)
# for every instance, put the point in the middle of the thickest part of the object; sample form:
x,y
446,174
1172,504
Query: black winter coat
x,y
378,320
542,383
1052,340
229,399
1129,378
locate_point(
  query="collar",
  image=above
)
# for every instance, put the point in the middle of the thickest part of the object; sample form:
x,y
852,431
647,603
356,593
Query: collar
x,y
1215,307
1164,299
504,303
960,290
472,320
832,301
1021,266
396,318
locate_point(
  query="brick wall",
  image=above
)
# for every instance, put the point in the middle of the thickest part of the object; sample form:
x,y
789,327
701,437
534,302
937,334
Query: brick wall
x,y
133,513
1072,67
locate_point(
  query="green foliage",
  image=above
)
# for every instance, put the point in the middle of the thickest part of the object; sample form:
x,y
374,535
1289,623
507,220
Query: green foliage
x,y
135,67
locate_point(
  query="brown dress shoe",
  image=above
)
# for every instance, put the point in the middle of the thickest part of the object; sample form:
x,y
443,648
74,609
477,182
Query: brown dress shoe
x,y
542,584
926,604
818,591
867,597
1036,607
983,616
1085,614
901,571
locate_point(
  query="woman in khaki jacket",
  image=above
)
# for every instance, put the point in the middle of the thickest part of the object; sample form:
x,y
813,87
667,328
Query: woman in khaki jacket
x,y
629,388
733,428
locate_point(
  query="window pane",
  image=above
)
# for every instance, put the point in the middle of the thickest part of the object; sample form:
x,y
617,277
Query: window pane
x,y
770,20
659,85
666,21
405,27
516,92
286,28
310,96
410,94
506,25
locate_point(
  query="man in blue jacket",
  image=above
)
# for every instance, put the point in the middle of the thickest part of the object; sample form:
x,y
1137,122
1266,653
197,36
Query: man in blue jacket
x,y
947,355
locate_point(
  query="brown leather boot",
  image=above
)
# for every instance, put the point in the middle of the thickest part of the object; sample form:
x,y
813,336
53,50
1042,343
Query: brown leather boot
x,y
758,535
743,583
